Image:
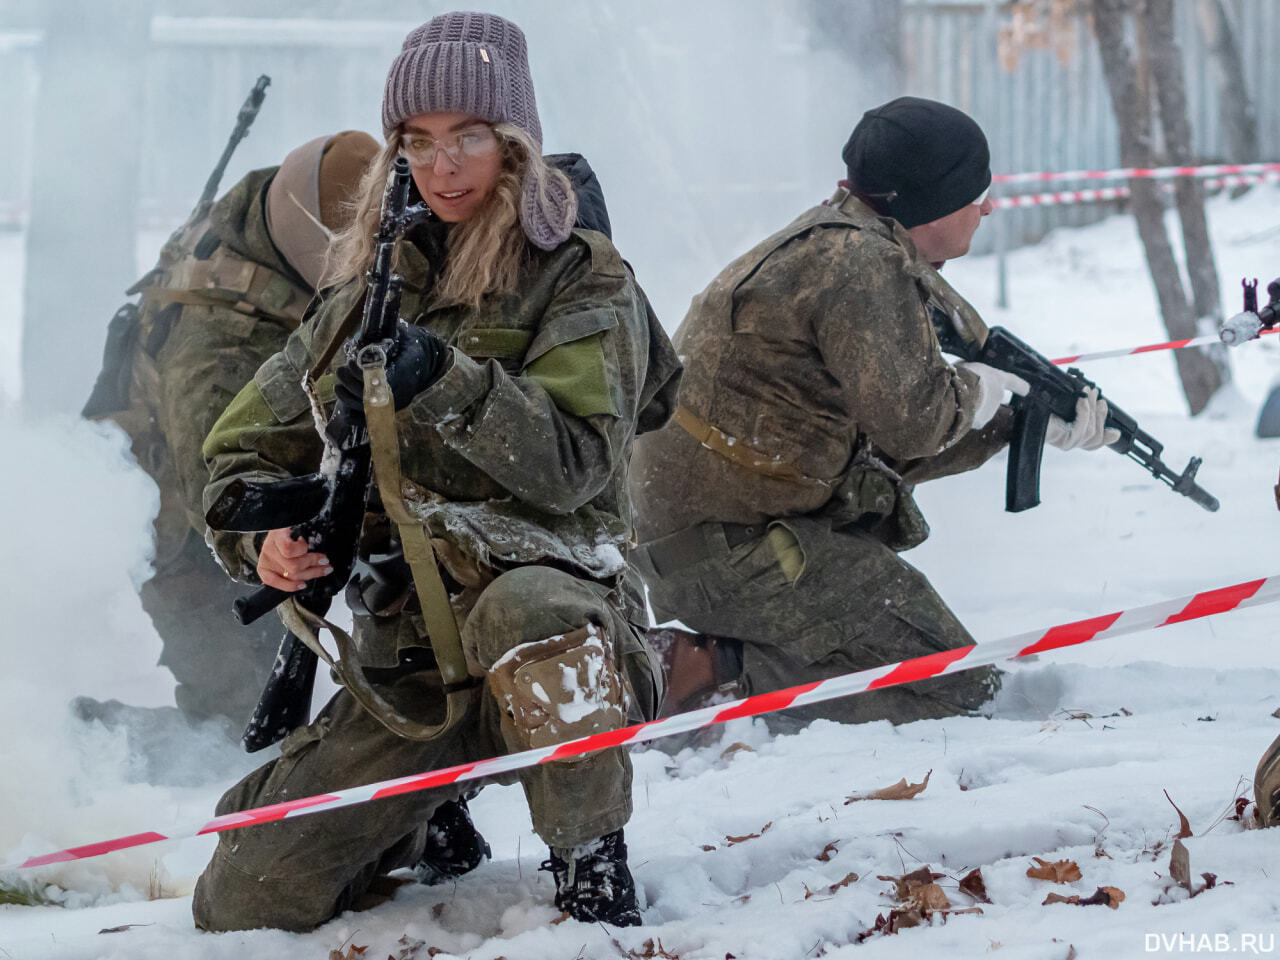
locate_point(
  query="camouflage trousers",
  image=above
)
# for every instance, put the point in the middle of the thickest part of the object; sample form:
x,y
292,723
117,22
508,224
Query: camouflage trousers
x,y
295,874
810,602
220,665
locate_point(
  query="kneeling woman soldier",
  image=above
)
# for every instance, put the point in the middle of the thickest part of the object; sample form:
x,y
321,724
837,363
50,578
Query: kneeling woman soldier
x,y
530,363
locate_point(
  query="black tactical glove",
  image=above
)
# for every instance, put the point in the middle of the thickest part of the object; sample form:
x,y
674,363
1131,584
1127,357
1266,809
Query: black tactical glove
x,y
416,360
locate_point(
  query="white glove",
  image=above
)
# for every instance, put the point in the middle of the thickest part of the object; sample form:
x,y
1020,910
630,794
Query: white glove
x,y
993,384
1088,430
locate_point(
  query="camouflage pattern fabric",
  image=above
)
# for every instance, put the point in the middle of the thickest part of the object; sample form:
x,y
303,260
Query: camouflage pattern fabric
x,y
186,361
297,873
815,350
517,461
529,430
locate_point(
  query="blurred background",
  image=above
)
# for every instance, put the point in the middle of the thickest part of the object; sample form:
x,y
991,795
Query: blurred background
x,y
711,123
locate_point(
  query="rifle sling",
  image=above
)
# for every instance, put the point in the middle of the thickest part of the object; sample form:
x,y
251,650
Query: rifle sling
x,y
305,625
442,628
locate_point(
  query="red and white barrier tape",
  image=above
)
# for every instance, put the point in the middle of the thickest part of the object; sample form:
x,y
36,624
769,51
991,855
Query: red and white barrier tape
x,y
1126,173
1205,604
1150,348
1114,193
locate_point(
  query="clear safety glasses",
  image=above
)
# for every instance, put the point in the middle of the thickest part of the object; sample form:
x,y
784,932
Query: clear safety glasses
x,y
421,150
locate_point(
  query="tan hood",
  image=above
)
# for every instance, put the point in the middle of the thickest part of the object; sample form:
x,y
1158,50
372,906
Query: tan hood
x,y
308,199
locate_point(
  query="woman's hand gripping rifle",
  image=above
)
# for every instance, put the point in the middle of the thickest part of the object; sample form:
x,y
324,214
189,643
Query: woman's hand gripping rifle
x,y
325,509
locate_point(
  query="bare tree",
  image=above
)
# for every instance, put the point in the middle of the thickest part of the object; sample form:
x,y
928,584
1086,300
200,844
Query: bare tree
x,y
1236,112
1134,81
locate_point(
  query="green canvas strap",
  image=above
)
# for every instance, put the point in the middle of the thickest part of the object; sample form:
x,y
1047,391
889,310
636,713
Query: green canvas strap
x,y
306,626
380,416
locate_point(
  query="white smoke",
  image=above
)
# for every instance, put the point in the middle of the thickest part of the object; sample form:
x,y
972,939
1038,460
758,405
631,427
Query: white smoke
x,y
75,513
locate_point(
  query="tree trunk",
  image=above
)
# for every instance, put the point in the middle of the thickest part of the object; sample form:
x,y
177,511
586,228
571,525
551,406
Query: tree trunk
x,y
1236,111
1199,374
1165,58
80,242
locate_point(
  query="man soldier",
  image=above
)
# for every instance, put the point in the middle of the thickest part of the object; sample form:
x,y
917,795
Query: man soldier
x,y
226,293
772,508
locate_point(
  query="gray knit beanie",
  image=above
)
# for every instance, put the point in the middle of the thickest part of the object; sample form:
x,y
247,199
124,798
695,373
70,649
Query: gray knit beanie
x,y
478,63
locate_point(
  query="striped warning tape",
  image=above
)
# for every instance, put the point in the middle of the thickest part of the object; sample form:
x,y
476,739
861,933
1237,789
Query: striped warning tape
x,y
1150,348
1128,173
1113,193
1208,603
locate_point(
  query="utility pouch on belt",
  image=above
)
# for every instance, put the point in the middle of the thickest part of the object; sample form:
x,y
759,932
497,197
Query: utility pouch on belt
x,y
560,688
873,498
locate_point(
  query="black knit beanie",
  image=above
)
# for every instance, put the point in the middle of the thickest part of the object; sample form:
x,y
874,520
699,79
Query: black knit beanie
x,y
917,160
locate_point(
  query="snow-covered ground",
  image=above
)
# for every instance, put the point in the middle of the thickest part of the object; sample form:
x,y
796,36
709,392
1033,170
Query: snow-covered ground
x,y
1072,764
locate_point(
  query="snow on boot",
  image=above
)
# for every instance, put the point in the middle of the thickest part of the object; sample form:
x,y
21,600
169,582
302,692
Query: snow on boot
x,y
454,845
593,882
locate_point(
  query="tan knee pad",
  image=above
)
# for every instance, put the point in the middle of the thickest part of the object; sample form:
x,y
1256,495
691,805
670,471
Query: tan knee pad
x,y
560,688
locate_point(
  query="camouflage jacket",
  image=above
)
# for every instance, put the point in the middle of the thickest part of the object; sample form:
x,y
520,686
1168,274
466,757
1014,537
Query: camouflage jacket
x,y
519,453
814,382
220,301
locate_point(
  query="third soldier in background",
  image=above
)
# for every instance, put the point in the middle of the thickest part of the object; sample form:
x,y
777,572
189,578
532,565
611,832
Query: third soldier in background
x,y
773,507
223,298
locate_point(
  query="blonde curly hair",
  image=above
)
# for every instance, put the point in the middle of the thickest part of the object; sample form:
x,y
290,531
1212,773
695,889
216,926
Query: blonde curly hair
x,y
485,251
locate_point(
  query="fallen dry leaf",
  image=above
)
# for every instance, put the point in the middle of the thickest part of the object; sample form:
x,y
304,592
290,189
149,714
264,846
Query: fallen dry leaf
x,y
1071,952
899,791
848,879
1241,804
828,852
1105,896
1060,871
123,927
650,949
749,836
1180,865
1184,829
709,847
929,897
351,953
411,948
904,884
736,748
973,884
1059,898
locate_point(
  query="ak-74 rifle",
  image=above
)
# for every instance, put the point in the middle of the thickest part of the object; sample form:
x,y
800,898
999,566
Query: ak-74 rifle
x,y
326,508
1055,391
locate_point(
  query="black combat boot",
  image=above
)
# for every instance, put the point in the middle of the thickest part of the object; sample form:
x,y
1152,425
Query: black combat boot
x,y
593,883
454,845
